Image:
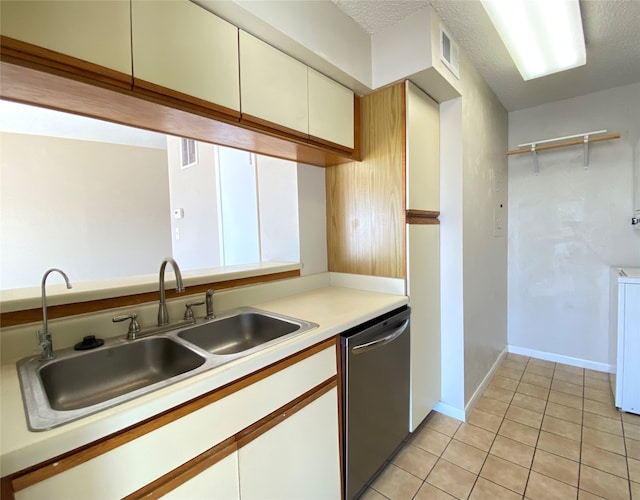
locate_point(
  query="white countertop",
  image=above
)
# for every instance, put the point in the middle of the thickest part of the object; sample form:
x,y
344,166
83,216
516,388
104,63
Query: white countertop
x,y
334,309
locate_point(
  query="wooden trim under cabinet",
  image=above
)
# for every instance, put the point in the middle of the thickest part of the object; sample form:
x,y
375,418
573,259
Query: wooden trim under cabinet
x,y
267,126
41,86
6,489
164,95
31,56
339,357
333,145
422,217
32,475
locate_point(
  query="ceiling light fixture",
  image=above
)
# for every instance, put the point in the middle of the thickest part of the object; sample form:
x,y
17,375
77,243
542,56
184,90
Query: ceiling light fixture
x,y
542,36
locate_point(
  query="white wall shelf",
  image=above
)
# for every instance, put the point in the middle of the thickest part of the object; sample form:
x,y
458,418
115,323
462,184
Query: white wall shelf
x,y
583,138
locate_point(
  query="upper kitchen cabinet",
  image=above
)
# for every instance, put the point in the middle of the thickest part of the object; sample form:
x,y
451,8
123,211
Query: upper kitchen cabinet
x,y
331,111
273,88
184,52
90,39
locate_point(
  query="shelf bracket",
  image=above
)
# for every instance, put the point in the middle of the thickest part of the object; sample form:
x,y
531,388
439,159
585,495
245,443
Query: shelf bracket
x,y
585,150
534,153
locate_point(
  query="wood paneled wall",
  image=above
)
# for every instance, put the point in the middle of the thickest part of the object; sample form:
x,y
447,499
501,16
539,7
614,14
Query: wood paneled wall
x,y
366,200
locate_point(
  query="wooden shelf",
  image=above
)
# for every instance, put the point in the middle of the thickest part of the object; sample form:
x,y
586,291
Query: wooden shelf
x,y
575,142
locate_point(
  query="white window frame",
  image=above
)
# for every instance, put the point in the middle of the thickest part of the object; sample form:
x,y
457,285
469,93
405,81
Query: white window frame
x,y
188,153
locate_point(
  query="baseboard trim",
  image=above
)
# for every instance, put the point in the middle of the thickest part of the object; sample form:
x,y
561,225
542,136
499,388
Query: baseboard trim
x,y
560,358
450,411
484,384
459,413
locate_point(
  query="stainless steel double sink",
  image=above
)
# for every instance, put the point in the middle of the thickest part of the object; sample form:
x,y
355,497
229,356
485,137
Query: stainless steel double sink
x,y
79,383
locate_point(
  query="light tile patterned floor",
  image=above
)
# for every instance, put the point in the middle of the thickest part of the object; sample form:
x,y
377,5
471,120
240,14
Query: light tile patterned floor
x,y
541,431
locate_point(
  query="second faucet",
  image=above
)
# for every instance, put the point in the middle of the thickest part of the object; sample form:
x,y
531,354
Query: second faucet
x,y
163,315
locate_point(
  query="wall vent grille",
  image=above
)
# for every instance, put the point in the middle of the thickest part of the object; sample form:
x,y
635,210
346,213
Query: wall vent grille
x,y
449,52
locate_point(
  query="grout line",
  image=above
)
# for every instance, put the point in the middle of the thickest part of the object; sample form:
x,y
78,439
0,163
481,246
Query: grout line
x,y
503,418
581,434
535,448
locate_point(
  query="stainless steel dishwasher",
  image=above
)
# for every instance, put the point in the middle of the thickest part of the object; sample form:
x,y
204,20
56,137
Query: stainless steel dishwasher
x,y
375,383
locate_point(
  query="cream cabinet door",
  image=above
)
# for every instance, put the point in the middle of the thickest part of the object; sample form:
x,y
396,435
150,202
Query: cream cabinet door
x,y
95,31
423,150
298,458
180,46
273,85
330,110
218,482
423,283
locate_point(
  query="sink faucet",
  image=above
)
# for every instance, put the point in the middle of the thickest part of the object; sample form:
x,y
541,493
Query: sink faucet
x,y
163,315
44,337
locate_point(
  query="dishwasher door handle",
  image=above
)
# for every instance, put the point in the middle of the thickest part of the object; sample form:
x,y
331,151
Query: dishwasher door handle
x,y
361,349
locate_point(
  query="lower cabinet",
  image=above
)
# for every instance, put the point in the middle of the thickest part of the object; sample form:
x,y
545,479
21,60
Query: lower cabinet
x,y
271,434
298,458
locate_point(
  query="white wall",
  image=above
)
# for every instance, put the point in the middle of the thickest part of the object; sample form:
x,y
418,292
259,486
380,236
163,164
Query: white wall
x,y
278,207
312,218
568,225
484,194
410,37
196,236
473,180
238,196
94,209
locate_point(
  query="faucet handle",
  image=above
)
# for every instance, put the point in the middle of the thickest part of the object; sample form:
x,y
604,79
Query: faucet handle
x,y
42,339
134,326
188,313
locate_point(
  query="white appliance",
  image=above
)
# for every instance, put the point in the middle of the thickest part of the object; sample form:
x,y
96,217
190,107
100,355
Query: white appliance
x,y
625,330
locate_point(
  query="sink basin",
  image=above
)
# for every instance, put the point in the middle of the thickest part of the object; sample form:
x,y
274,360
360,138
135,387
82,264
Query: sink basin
x,y
103,374
76,384
238,333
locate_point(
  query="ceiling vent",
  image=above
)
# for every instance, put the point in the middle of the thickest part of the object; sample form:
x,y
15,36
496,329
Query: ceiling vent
x,y
449,52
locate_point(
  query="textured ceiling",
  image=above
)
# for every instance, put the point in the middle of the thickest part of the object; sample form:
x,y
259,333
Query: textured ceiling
x,y
612,38
375,15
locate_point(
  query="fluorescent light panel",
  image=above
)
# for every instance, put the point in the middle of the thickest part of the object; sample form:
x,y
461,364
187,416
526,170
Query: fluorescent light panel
x,y
542,36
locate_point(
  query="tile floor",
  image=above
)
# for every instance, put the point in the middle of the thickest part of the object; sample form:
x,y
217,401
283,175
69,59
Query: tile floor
x,y
541,430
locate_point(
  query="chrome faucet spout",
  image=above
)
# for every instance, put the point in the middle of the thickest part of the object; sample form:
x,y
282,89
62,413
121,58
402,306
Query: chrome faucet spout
x,y
44,337
163,315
